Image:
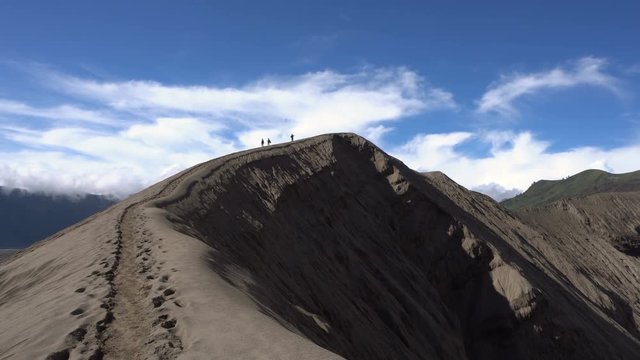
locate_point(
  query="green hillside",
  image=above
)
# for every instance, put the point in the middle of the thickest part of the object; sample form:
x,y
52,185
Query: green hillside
x,y
585,183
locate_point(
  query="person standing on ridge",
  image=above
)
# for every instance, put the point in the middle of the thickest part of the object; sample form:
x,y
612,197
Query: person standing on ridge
x,y
262,142
292,137
268,141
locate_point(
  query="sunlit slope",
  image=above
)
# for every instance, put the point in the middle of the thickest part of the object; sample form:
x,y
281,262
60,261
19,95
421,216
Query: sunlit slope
x,y
585,183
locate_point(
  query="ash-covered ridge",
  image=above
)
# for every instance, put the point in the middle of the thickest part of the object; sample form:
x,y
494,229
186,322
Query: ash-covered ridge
x,y
322,248
369,259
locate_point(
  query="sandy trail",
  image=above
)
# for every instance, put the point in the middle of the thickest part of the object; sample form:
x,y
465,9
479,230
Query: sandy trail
x,y
132,320
131,331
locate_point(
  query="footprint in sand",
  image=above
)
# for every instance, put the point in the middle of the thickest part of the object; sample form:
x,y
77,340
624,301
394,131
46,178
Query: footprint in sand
x,y
169,292
77,311
158,301
78,334
59,355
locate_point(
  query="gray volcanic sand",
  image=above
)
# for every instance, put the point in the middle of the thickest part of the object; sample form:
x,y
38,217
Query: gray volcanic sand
x,y
317,249
596,240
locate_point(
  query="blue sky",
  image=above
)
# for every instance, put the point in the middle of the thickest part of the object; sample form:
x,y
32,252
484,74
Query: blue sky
x,y
109,97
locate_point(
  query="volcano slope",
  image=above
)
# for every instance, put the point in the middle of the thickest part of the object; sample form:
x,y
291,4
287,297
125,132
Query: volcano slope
x,y
591,221
316,249
600,234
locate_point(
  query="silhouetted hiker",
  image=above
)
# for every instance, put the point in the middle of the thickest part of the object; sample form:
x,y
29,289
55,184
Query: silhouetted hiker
x,y
291,137
268,141
261,142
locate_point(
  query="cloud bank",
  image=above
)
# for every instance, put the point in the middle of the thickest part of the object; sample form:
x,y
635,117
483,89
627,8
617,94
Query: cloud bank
x,y
59,112
78,160
513,162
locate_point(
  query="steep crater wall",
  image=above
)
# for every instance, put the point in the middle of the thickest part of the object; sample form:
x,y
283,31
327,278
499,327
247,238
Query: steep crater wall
x,y
345,245
337,245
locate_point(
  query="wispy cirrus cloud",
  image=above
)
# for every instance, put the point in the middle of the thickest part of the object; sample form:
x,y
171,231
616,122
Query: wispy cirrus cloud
x,y
63,112
587,71
308,104
633,69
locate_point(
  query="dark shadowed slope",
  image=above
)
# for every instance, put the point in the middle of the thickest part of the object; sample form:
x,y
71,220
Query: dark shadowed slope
x,y
28,217
315,249
369,259
582,184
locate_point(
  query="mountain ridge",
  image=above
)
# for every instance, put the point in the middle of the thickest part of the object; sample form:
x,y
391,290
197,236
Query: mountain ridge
x,y
585,183
26,217
321,248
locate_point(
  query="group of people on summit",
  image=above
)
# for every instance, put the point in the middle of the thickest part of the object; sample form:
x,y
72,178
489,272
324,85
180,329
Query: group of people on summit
x,y
269,141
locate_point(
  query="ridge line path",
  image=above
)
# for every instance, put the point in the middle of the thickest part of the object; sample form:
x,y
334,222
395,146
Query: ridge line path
x,y
131,332
131,326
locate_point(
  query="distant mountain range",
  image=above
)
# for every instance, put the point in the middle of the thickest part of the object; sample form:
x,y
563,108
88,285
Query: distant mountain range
x,y
28,217
588,182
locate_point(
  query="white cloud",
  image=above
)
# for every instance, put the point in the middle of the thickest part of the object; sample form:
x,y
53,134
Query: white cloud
x,y
63,173
174,132
430,152
500,96
375,133
77,160
178,126
61,112
306,105
515,160
497,192
174,127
